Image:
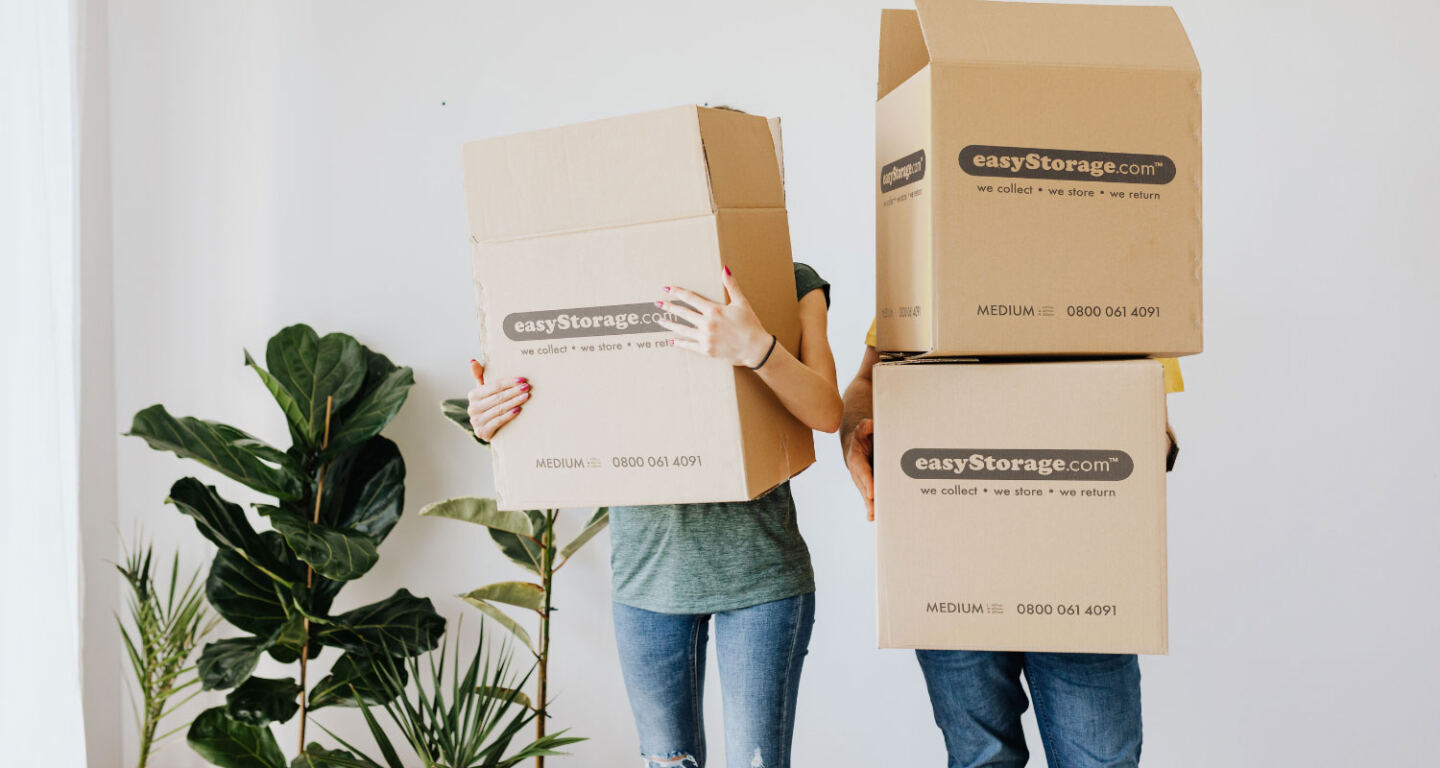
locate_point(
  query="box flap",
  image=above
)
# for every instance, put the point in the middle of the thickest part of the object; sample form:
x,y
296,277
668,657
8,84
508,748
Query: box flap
x,y
742,159
777,137
969,31
902,49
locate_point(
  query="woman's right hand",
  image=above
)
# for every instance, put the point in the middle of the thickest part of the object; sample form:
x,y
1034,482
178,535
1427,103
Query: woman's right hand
x,y
492,406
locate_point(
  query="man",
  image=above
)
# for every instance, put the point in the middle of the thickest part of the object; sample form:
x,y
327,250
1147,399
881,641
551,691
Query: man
x,y
1087,705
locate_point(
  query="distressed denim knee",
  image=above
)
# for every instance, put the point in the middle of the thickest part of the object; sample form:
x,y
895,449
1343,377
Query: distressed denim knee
x,y
681,759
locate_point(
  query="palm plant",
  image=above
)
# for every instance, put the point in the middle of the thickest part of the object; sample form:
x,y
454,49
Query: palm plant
x,y
167,625
528,539
471,722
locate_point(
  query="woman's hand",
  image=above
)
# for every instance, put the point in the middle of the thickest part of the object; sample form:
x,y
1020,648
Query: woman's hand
x,y
729,332
492,406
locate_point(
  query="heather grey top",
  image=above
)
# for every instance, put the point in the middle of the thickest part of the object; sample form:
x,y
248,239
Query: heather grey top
x,y
708,558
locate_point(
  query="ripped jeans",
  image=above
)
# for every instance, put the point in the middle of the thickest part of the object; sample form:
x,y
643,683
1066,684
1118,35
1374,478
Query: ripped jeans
x,y
760,650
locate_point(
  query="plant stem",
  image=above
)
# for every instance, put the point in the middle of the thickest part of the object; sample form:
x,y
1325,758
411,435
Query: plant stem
x,y
547,578
310,583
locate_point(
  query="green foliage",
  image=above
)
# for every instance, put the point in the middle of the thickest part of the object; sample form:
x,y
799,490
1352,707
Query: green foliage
x,y
232,744
165,624
336,492
527,538
470,720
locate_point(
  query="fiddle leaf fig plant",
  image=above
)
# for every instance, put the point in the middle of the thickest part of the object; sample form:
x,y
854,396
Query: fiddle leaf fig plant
x,y
334,495
528,539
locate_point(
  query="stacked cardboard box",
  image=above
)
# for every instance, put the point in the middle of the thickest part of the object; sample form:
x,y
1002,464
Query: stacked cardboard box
x,y
1038,177
575,231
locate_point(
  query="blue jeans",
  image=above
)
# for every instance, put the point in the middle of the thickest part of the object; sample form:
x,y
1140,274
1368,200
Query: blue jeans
x,y
1087,705
760,649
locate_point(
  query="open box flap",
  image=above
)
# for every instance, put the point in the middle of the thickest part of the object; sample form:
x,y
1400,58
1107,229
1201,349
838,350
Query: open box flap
x,y
983,31
657,166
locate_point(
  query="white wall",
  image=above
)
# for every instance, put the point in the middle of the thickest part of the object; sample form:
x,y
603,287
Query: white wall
x,y
278,162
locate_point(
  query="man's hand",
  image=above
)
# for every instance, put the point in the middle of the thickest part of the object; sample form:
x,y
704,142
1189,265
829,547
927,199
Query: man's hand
x,y
857,431
859,458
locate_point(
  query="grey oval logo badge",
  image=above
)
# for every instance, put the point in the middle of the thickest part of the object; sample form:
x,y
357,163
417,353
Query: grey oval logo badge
x,y
1016,464
1066,164
907,170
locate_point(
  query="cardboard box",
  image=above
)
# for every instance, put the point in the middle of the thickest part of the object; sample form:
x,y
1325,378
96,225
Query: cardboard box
x,y
575,232
1021,506
1038,172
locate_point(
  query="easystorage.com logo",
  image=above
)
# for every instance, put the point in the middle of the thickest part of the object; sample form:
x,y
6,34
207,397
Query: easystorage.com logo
x,y
1067,164
586,321
1016,464
906,170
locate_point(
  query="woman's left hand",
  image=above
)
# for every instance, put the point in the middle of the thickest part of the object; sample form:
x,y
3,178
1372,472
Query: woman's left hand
x,y
729,332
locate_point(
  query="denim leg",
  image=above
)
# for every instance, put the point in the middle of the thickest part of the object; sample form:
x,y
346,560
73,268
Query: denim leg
x,y
1088,708
662,657
761,650
977,701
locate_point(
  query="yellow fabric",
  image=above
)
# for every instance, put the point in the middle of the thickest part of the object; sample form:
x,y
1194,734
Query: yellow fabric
x,y
1174,381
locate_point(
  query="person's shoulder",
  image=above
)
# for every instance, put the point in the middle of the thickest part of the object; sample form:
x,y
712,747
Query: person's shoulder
x,y
807,280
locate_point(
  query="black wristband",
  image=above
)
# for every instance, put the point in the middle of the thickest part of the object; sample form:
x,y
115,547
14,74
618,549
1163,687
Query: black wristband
x,y
768,353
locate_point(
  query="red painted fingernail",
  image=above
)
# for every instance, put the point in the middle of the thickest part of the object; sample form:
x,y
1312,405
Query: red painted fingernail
x,y
727,269
521,380
516,409
667,289
659,303
473,360
525,388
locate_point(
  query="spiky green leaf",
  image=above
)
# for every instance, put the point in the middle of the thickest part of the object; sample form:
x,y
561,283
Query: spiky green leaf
x,y
503,619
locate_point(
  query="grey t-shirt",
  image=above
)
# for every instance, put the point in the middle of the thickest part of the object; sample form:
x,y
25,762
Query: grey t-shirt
x,y
708,558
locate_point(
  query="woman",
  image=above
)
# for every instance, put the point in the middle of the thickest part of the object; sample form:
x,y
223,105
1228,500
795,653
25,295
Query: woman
x,y
742,563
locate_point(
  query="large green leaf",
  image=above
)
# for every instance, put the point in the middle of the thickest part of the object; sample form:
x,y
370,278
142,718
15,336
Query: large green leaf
x,y
287,642
316,756
227,450
457,410
231,744
312,368
385,390
225,663
222,522
294,414
365,489
333,553
522,594
244,596
401,625
482,512
352,675
522,551
263,700
503,619
594,525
